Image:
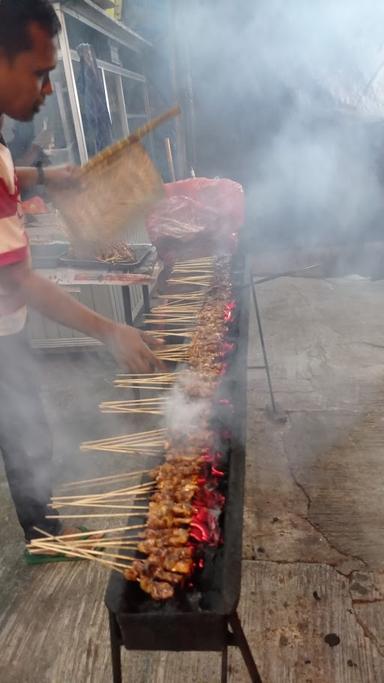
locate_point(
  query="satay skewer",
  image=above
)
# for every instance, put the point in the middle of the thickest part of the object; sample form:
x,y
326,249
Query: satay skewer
x,y
175,305
104,505
169,333
120,491
111,497
199,261
132,410
86,553
88,534
109,477
140,401
187,282
141,498
191,279
87,516
181,316
118,566
194,269
118,543
150,376
198,295
141,438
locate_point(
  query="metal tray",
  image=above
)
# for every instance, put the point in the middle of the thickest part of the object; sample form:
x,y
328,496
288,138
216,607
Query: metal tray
x,y
141,251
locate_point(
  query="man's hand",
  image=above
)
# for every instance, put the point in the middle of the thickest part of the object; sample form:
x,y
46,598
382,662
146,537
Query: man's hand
x,y
129,347
62,176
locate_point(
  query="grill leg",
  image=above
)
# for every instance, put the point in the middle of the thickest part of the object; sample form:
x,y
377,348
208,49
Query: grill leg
x,y
114,632
264,351
224,665
242,643
277,414
127,303
146,299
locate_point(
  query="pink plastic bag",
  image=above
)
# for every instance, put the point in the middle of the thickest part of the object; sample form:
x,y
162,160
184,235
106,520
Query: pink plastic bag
x,y
198,217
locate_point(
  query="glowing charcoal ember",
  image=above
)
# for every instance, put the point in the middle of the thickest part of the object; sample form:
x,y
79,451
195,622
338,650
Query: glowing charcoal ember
x,y
209,498
228,311
217,473
227,348
205,527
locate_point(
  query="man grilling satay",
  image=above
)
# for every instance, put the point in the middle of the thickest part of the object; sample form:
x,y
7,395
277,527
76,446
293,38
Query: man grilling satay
x,y
28,52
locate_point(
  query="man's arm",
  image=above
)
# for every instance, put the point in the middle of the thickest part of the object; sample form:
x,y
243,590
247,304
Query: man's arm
x,y
27,177
125,343
59,176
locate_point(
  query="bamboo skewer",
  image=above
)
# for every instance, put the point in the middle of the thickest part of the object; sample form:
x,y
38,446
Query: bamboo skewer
x,y
105,505
107,499
191,278
183,331
147,452
174,311
145,387
101,553
133,437
97,514
155,333
171,379
201,259
172,281
121,408
109,495
85,502
119,543
109,477
198,295
88,534
145,442
64,549
156,316
106,480
203,262
127,384
195,270
80,555
177,307
176,347
167,376
172,320
140,403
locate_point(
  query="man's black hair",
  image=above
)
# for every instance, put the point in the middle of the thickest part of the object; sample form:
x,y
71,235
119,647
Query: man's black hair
x,y
15,19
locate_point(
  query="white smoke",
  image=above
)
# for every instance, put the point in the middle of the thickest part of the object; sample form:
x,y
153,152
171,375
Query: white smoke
x,y
289,99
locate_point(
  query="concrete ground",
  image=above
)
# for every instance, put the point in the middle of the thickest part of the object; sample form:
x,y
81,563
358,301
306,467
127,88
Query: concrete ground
x,y
313,583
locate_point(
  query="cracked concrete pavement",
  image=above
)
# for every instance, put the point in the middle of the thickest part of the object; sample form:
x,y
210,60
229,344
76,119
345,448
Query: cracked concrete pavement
x,y
314,487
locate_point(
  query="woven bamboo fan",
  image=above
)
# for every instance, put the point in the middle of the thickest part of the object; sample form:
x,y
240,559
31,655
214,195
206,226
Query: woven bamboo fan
x,y
117,189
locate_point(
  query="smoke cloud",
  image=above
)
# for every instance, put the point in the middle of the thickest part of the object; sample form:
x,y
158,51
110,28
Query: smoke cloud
x,y
288,98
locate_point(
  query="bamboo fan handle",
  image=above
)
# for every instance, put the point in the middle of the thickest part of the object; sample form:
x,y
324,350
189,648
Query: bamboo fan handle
x,y
134,137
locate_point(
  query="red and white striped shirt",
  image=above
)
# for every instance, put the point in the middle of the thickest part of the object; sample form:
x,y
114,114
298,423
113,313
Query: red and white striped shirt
x,y
13,242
